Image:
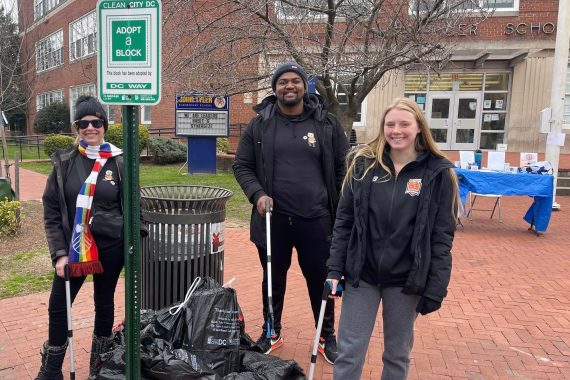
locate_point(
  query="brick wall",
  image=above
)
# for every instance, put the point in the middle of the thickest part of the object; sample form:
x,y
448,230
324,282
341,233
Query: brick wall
x,y
533,22
536,20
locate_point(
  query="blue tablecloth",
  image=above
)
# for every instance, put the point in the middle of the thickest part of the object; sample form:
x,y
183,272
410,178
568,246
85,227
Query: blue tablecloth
x,y
538,186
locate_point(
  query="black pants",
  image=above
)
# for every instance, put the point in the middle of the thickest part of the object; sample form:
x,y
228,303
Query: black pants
x,y
104,285
311,239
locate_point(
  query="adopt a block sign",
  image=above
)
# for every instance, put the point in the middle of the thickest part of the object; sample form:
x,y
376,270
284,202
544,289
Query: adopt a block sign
x,y
130,50
129,40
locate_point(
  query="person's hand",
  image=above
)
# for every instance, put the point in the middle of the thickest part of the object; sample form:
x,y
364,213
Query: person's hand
x,y
60,265
261,204
427,305
334,284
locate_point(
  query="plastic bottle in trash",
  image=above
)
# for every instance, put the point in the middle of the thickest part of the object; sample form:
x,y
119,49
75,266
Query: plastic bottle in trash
x,y
478,158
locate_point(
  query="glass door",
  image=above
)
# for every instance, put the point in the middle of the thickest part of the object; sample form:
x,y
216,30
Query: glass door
x,y
439,111
455,119
466,121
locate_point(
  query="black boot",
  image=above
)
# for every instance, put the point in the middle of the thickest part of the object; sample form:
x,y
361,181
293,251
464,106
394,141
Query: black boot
x,y
52,360
99,345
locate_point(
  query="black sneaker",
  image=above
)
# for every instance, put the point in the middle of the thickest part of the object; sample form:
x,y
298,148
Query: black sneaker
x,y
266,345
327,348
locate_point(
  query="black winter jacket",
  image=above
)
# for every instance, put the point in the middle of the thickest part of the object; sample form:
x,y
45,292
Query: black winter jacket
x,y
253,166
431,240
57,224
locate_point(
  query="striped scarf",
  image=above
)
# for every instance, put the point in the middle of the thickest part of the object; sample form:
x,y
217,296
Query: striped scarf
x,y
83,252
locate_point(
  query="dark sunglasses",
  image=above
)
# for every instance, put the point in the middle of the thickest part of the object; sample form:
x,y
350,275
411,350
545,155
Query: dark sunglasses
x,y
84,124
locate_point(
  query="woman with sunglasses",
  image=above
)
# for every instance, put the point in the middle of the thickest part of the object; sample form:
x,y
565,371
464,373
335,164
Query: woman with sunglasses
x,y
85,180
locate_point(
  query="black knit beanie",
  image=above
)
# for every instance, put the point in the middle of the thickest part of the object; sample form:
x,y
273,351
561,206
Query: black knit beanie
x,y
88,105
287,67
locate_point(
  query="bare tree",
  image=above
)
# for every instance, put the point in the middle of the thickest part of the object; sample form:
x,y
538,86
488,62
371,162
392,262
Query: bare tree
x,y
11,95
349,45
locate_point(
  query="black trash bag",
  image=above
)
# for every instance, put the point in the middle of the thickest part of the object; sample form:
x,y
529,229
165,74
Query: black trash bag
x,y
213,328
159,361
170,327
113,362
245,341
258,366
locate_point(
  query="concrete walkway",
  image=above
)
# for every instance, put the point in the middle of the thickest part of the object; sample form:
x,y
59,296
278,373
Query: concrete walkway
x,y
507,315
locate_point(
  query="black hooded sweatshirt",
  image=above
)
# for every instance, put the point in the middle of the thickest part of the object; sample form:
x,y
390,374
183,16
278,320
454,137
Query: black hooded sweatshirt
x,y
254,165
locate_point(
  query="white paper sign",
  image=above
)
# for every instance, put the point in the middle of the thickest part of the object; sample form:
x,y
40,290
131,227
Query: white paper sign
x,y
555,138
466,157
494,116
528,159
487,117
499,104
487,104
496,161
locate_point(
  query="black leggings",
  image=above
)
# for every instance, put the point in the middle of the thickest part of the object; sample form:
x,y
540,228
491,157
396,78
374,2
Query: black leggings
x,y
311,239
104,293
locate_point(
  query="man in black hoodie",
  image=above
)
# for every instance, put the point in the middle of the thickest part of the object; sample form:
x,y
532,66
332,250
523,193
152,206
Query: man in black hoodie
x,y
292,155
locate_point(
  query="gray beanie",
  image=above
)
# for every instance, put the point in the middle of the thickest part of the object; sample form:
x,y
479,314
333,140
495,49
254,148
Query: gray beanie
x,y
88,105
287,67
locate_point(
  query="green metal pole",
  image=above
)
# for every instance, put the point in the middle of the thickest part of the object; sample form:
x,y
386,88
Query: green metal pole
x,y
131,201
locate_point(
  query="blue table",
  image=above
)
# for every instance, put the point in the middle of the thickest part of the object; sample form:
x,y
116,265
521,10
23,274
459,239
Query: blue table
x,y
538,186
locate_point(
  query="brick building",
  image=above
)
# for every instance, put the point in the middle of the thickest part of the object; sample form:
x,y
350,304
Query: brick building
x,y
490,92
495,85
60,59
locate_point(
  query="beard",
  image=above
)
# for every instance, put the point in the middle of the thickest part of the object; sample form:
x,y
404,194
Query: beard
x,y
289,102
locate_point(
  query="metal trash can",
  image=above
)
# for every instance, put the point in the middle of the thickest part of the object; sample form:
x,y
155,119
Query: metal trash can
x,y
185,240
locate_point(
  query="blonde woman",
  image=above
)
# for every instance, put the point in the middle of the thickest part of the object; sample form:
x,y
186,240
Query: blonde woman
x,y
392,239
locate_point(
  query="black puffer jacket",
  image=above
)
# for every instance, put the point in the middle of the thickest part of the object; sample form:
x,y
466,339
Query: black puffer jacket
x,y
253,166
57,224
431,240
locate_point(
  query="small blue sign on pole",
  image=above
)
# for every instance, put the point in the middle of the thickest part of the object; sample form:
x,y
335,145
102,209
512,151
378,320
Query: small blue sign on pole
x,y
202,118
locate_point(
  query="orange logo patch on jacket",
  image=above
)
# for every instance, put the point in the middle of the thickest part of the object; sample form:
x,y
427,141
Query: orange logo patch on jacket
x,y
414,187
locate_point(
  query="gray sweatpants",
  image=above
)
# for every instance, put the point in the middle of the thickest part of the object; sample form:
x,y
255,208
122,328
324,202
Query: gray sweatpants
x,y
357,318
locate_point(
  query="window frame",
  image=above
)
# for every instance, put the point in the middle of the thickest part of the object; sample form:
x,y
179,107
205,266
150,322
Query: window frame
x,y
514,8
307,15
74,96
83,40
56,53
57,97
143,111
45,7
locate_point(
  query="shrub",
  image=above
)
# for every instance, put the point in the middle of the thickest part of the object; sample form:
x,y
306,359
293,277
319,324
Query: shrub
x,y
114,135
57,142
9,217
52,119
166,151
222,145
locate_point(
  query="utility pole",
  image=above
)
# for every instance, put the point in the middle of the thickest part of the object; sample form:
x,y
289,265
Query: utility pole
x,y
557,92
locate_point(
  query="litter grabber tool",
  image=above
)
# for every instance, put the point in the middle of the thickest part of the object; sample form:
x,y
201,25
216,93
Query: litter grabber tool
x,y
69,323
270,317
327,289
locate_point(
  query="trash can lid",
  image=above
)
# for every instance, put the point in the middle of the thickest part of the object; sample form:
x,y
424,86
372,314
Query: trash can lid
x,y
187,199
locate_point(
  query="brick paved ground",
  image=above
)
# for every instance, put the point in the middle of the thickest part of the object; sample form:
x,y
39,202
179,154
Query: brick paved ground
x,y
507,315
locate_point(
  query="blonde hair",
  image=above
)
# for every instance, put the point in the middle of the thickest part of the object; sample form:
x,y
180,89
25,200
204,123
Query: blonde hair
x,y
373,150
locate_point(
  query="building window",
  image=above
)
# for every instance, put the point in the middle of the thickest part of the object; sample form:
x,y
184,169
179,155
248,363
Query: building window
x,y
43,7
497,5
82,37
343,100
494,87
76,92
110,113
146,117
318,9
46,98
49,52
